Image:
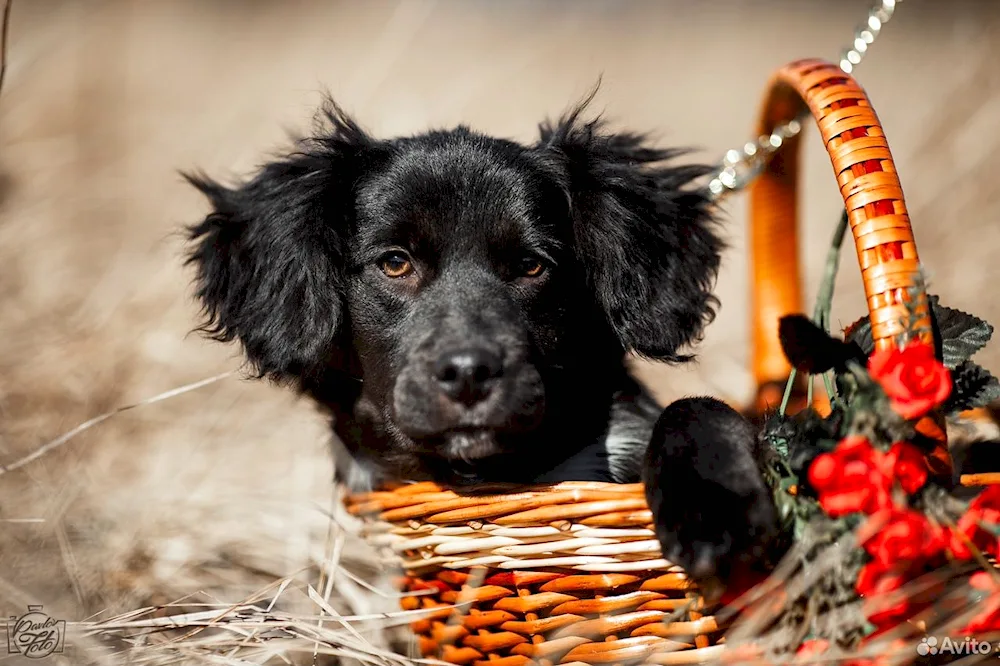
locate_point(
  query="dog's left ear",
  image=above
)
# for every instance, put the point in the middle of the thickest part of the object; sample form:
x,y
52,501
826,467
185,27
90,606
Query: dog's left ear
x,y
644,237
270,256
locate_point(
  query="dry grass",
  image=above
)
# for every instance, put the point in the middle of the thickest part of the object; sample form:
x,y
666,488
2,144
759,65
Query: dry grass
x,y
308,618
339,606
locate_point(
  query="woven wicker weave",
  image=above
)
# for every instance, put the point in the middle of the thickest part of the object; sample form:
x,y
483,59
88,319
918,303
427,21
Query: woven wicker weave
x,y
572,573
555,570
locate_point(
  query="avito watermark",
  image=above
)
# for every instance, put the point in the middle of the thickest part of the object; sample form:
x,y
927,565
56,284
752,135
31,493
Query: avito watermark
x,y
931,645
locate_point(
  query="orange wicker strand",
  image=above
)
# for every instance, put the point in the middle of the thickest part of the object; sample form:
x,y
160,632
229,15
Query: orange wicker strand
x,y
873,197
774,246
872,194
564,577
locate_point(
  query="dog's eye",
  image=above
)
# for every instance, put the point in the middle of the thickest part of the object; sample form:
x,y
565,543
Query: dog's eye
x,y
531,267
395,264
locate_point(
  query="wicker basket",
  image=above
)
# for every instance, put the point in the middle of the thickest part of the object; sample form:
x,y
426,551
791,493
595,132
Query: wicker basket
x,y
572,573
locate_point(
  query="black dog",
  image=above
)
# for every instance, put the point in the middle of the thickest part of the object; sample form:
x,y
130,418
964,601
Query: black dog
x,y
462,305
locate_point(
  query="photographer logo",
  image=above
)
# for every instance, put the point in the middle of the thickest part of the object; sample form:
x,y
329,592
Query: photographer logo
x,y
35,635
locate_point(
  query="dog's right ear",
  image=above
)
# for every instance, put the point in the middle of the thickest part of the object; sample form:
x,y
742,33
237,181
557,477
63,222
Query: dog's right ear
x,y
643,232
269,258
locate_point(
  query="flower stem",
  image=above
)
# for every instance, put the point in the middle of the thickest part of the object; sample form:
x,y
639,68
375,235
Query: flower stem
x,y
821,313
788,393
824,300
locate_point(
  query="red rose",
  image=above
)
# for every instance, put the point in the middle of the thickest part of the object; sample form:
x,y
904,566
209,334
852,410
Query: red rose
x,y
982,580
812,648
913,378
868,577
988,619
902,543
976,525
875,583
851,478
903,536
907,464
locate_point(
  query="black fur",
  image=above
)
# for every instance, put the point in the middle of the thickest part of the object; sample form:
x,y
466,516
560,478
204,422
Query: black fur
x,y
650,255
471,369
270,257
714,513
812,351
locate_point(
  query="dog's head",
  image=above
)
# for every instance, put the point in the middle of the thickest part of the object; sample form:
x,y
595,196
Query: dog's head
x,y
470,283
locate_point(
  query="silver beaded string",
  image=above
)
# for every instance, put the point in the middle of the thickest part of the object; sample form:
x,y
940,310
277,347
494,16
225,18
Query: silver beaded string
x,y
740,166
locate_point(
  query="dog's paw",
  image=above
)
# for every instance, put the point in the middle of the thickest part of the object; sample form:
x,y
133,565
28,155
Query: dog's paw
x,y
713,512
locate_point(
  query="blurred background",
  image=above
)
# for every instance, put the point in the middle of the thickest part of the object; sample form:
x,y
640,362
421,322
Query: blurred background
x,y
221,489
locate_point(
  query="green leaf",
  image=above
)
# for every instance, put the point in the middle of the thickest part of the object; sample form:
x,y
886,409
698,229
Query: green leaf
x,y
974,386
786,504
962,334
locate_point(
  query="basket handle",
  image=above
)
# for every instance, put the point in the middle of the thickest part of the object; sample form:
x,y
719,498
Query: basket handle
x,y
873,197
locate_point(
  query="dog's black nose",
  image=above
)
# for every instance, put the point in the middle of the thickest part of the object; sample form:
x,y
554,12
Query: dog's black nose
x,y
467,375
